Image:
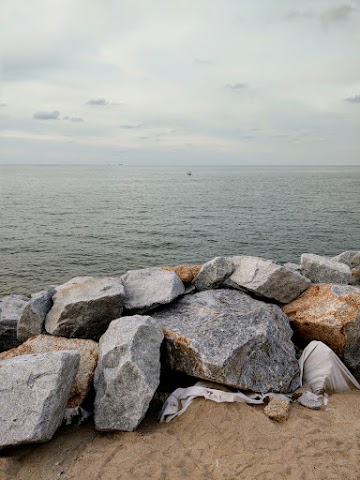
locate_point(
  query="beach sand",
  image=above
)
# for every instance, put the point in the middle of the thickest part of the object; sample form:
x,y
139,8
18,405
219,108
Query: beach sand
x,y
210,441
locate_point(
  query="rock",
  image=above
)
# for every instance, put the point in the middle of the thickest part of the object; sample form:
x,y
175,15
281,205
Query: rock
x,y
213,273
300,391
277,409
356,261
324,270
186,273
148,288
32,320
88,350
310,400
331,314
267,279
293,266
355,276
227,337
11,308
128,372
346,257
33,393
84,306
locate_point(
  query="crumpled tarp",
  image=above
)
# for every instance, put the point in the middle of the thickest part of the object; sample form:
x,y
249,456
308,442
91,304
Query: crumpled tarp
x,y
320,369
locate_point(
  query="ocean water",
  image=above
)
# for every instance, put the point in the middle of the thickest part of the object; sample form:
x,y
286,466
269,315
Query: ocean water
x,y
57,222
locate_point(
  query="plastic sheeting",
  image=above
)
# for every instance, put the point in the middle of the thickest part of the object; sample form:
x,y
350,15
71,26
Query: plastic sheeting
x,y
320,368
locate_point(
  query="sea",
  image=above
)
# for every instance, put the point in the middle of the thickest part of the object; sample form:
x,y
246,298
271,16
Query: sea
x,y
61,221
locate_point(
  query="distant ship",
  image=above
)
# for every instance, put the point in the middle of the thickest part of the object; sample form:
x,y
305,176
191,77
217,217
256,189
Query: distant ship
x,y
189,172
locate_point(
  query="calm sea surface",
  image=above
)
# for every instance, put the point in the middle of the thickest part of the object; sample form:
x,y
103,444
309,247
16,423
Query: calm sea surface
x,y
57,222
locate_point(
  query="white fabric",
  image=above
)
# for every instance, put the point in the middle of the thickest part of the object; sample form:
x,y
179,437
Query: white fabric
x,y
323,371
320,368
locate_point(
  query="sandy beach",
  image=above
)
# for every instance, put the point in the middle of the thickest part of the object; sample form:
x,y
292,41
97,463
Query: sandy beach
x,y
210,441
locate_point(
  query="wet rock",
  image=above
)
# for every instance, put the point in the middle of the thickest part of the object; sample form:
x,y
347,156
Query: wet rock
x,y
34,390
32,320
331,314
128,372
225,336
324,270
186,273
148,288
346,257
88,350
267,279
311,400
214,273
84,307
277,410
11,308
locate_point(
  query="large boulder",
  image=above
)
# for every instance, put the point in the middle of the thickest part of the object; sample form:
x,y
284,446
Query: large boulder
x,y
88,350
84,306
148,288
347,257
331,314
32,320
33,394
266,279
128,372
228,337
11,308
324,270
213,273
186,273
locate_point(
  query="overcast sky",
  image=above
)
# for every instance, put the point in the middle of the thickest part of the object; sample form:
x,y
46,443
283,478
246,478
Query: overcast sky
x,y
180,81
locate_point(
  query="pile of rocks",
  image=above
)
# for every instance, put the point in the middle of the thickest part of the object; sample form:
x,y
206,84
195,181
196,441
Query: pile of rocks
x,y
229,321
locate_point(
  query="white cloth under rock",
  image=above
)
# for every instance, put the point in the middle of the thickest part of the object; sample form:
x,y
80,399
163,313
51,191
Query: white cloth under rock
x,y
320,368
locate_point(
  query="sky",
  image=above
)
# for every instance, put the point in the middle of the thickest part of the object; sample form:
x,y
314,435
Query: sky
x,y
183,82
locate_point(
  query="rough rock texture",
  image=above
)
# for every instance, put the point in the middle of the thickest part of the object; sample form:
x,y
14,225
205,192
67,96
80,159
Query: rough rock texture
x,y
32,320
355,276
324,270
34,390
11,308
186,273
214,273
148,288
277,409
88,350
331,314
356,261
293,266
227,337
310,400
267,279
128,372
346,257
84,307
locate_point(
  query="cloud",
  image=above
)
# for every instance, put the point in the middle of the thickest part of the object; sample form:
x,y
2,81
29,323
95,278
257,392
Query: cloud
x,y
337,14
73,119
236,86
130,127
97,102
55,115
354,99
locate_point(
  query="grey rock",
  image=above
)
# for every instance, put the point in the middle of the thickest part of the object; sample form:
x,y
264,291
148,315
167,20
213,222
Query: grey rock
x,y
34,390
267,279
213,273
310,400
293,266
346,257
356,260
84,307
11,308
32,320
324,270
226,336
128,372
148,288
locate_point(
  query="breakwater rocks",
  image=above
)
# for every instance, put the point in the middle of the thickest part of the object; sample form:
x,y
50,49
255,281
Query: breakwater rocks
x,y
101,342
